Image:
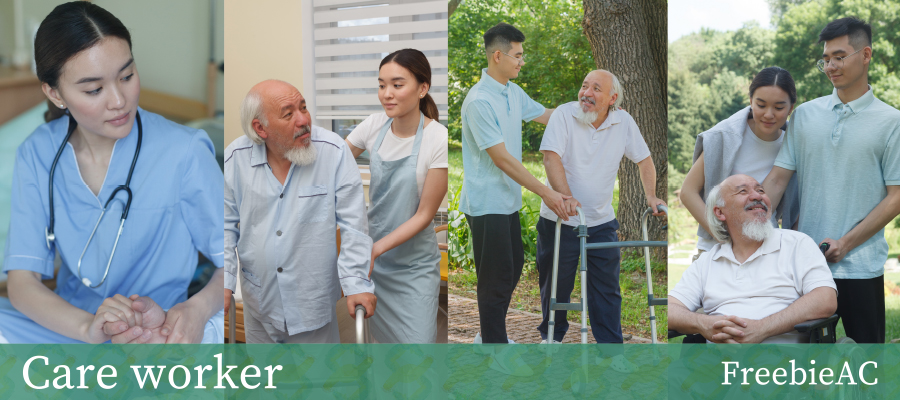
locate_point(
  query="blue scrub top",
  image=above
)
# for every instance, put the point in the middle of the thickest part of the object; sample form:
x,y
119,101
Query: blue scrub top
x,y
176,211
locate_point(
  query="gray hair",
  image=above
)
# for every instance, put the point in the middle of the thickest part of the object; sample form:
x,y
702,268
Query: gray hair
x,y
252,108
616,89
718,229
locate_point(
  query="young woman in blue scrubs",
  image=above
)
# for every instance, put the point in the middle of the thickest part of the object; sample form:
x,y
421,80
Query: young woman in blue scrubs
x,y
83,57
408,164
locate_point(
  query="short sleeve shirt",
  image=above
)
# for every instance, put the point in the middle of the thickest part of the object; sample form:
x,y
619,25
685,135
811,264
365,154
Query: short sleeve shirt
x,y
432,153
591,158
786,266
844,155
492,113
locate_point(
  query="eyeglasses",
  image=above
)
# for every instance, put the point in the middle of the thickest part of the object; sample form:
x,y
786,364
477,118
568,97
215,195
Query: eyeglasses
x,y
521,59
837,62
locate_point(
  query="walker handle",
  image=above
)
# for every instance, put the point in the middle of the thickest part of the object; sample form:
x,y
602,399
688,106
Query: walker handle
x,y
360,320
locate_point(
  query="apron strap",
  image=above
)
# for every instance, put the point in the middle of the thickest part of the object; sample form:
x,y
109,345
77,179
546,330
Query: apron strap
x,y
417,142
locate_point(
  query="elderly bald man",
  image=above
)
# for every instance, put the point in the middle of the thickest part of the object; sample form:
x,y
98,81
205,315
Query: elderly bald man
x,y
287,185
583,145
758,281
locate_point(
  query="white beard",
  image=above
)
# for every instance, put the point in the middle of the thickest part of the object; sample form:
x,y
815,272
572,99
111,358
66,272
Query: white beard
x,y
301,156
586,117
757,230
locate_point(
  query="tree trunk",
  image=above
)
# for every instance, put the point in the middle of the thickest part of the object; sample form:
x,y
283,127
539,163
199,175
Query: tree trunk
x,y
628,38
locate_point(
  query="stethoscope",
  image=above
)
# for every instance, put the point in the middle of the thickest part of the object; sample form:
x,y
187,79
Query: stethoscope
x,y
48,232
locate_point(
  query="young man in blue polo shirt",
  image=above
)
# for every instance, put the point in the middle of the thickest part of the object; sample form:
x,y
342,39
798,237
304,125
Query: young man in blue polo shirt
x,y
491,197
845,149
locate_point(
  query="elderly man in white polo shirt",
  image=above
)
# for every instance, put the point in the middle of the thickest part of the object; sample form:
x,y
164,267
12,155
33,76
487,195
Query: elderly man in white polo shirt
x,y
583,145
758,281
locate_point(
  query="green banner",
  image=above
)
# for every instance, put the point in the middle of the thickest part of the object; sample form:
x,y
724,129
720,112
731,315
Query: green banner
x,y
450,371
842,371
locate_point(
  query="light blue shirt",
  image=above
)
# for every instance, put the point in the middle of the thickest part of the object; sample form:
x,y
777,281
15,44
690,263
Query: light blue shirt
x,y
492,113
844,156
175,212
287,239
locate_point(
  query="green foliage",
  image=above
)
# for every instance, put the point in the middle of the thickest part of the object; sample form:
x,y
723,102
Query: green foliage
x,y
528,218
710,71
558,54
459,249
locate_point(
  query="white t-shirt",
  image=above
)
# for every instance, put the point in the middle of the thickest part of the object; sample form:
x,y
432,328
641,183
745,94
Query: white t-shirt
x,y
432,151
787,266
755,158
591,158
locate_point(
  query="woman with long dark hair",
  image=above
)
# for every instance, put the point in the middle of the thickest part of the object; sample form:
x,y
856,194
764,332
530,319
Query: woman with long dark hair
x,y
123,197
408,164
745,143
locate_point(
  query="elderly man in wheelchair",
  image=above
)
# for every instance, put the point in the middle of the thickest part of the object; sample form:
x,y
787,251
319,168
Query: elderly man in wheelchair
x,y
759,284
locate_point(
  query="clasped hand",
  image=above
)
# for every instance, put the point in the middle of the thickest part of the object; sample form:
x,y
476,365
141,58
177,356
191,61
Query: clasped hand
x,y
136,319
733,329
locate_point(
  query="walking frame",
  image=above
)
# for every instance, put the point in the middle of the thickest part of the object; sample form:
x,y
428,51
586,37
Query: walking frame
x,y
584,247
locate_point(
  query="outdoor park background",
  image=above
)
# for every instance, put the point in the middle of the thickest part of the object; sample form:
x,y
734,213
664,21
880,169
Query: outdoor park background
x,y
559,55
708,80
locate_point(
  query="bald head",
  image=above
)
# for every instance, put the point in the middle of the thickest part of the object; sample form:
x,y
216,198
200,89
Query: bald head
x,y
264,100
600,93
736,203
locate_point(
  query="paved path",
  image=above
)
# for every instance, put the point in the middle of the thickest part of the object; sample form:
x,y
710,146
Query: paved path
x,y
520,325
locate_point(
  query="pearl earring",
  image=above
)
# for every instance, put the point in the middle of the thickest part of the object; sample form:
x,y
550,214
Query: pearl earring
x,y
62,106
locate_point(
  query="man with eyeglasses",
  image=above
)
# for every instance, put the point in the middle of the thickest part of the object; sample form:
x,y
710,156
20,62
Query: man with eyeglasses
x,y
849,140
491,196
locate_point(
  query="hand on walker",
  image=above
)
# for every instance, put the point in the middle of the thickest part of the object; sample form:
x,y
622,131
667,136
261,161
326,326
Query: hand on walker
x,y
556,202
367,300
653,201
572,207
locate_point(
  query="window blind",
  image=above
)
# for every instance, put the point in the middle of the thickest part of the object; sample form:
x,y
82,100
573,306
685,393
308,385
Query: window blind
x,y
352,36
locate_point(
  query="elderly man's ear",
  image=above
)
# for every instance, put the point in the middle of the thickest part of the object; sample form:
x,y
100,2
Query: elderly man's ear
x,y
719,214
260,130
612,100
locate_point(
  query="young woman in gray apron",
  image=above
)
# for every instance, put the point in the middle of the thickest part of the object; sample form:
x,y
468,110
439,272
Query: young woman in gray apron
x,y
406,266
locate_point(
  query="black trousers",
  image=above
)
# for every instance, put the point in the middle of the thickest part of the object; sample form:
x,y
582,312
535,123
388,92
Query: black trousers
x,y
499,257
861,308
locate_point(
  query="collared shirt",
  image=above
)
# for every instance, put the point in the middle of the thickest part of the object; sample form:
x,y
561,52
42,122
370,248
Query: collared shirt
x,y
285,234
175,212
591,158
785,267
844,156
492,113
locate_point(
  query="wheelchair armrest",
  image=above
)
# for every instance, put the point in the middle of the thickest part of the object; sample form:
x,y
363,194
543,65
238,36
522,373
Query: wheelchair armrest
x,y
674,334
814,324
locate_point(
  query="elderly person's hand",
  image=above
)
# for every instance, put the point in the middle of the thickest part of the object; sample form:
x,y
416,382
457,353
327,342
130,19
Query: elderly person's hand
x,y
653,202
117,310
572,206
185,323
367,300
149,331
725,329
